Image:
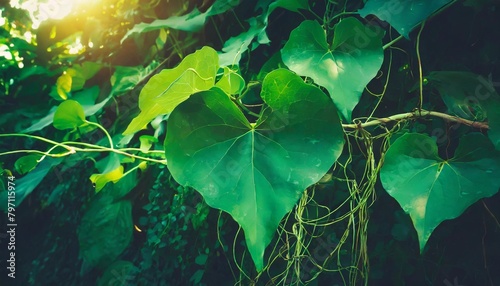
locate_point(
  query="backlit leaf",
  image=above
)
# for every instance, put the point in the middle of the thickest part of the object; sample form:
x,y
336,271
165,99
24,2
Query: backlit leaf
x,y
431,189
100,180
255,172
345,68
69,115
166,90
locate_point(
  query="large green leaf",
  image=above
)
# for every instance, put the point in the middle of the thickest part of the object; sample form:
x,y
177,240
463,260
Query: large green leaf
x,y
105,231
255,172
431,189
164,91
345,68
402,15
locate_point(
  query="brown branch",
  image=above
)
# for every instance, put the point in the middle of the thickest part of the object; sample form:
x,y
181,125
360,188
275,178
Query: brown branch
x,y
418,114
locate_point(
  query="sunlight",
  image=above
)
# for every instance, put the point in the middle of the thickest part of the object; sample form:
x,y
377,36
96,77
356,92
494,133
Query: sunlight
x,y
41,10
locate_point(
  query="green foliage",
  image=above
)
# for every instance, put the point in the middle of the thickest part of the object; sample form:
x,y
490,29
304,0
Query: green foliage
x,y
194,142
345,67
255,172
431,189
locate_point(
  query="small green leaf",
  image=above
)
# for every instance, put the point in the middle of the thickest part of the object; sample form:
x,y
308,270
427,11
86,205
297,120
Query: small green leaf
x,y
346,68
201,259
69,115
166,90
402,15
431,189
231,82
255,172
27,163
63,85
100,180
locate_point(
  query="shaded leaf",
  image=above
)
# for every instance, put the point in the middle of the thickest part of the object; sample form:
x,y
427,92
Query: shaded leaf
x,y
458,91
345,68
256,35
191,22
431,189
470,96
26,163
255,172
164,91
402,15
105,231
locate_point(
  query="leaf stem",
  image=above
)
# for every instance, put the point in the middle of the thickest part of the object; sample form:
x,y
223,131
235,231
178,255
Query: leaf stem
x,y
388,45
103,130
420,73
417,114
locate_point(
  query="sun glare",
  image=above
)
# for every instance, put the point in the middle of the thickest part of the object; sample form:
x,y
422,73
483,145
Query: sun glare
x,y
41,10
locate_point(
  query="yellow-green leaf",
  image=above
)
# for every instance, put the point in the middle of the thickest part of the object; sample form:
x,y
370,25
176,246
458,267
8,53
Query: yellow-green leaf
x,y
100,180
164,91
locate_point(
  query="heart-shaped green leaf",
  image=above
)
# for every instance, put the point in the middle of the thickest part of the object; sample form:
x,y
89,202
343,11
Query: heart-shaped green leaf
x,y
69,115
402,15
431,189
166,90
345,68
255,172
231,82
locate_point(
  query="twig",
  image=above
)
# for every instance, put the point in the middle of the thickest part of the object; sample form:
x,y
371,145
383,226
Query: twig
x,y
418,114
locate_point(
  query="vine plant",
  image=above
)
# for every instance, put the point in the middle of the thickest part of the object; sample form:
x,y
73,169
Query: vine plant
x,y
260,149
